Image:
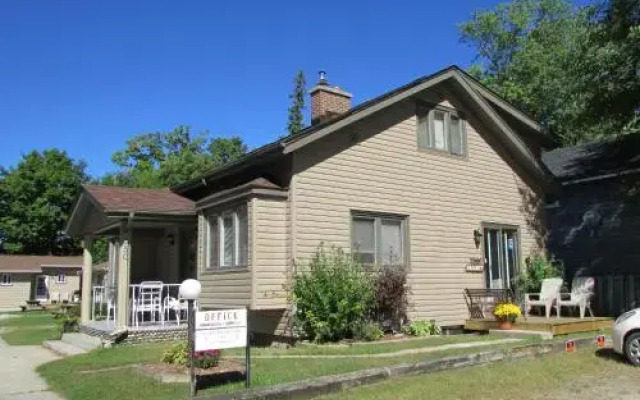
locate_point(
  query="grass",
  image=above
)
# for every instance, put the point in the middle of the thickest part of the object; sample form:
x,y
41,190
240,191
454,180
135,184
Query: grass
x,y
92,374
523,379
29,328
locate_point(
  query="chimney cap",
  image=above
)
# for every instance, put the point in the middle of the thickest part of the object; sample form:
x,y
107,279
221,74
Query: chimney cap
x,y
322,78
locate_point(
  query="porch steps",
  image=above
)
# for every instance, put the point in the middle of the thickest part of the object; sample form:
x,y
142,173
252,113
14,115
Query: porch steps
x,y
82,341
62,349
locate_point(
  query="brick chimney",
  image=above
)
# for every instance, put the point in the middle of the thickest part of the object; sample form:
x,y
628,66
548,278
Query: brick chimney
x,y
327,101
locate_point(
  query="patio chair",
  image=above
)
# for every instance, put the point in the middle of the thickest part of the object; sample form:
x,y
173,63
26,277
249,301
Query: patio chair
x,y
548,295
178,306
582,290
54,297
149,300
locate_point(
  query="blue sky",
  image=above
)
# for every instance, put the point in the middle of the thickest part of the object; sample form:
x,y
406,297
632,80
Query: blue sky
x,y
84,76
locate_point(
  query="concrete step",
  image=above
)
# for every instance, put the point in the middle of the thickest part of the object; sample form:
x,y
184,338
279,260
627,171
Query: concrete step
x,y
61,348
83,341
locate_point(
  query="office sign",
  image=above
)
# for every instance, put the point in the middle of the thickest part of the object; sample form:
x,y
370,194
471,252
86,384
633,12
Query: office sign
x,y
222,329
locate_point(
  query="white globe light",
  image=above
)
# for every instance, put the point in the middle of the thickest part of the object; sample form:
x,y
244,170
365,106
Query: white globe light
x,y
190,289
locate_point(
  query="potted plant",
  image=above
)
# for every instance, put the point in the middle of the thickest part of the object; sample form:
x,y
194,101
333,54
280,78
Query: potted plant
x,y
506,314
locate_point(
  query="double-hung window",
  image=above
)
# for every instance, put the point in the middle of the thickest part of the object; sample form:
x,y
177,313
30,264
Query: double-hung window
x,y
5,280
228,239
379,238
441,129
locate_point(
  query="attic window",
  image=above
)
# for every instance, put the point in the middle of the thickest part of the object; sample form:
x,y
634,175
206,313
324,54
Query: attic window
x,y
441,129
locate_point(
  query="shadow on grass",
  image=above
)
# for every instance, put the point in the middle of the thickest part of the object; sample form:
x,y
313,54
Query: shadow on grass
x,y
609,354
208,381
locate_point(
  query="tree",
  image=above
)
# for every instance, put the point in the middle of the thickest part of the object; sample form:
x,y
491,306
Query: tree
x,y
296,119
35,199
159,159
558,63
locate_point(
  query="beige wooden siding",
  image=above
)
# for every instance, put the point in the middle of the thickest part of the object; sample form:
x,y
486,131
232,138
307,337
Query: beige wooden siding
x,y
17,293
223,288
64,291
271,264
444,197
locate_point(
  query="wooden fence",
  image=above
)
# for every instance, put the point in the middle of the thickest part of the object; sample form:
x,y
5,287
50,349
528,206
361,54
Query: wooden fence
x,y
616,294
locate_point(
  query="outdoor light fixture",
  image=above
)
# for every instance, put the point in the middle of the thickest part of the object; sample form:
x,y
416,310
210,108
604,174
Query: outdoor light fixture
x,y
477,237
190,289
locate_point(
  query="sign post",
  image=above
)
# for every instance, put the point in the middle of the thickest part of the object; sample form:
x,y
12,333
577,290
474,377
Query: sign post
x,y
192,348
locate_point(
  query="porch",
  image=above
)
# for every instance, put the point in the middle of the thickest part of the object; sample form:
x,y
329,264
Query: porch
x,y
152,240
553,325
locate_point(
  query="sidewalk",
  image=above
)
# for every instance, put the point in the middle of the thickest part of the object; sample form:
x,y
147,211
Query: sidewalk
x,y
17,368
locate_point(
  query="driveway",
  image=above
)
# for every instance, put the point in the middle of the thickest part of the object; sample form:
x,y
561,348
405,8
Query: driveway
x,y
19,381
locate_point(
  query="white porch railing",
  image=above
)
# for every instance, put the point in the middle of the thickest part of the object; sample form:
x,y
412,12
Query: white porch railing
x,y
160,306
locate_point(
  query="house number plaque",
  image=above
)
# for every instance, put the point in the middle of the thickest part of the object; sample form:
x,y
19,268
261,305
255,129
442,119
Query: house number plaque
x,y
475,264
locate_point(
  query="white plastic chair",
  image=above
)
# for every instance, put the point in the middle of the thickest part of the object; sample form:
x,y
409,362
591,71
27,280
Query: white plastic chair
x,y
582,289
54,297
149,300
548,295
178,306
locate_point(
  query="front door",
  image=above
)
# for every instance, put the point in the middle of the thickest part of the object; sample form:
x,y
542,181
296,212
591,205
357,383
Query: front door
x,y
500,256
41,288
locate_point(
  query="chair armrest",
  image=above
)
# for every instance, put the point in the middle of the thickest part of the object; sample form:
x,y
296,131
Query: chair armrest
x,y
532,296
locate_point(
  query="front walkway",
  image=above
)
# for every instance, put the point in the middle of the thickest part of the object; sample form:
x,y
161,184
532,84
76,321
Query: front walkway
x,y
19,381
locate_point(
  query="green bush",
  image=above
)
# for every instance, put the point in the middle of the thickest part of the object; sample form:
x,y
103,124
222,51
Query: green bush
x,y
367,331
537,268
332,294
422,328
177,354
69,318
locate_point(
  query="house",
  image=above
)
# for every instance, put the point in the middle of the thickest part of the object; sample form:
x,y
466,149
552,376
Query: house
x,y
441,174
594,220
42,278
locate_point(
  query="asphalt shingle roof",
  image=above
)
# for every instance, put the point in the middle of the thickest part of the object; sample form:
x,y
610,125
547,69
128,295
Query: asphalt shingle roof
x,y
34,264
123,199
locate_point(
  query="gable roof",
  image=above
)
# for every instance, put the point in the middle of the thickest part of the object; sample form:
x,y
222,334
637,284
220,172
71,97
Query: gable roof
x,y
475,91
595,160
34,264
123,199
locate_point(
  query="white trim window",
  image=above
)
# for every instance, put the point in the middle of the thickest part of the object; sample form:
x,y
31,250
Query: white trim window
x,y
379,238
228,239
5,280
442,130
61,278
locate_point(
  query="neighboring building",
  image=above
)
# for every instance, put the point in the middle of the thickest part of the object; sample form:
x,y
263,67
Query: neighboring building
x,y
43,278
440,174
594,221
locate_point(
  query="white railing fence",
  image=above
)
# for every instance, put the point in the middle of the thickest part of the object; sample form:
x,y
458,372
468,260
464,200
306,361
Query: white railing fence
x,y
104,302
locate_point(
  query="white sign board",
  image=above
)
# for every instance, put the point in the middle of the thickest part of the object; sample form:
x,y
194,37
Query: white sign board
x,y
223,329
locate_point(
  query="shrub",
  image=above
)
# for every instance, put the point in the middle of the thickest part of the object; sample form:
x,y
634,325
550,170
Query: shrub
x,y
391,294
422,328
367,331
332,294
69,317
537,268
178,354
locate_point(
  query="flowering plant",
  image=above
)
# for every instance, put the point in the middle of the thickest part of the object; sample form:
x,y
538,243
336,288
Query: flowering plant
x,y
206,359
507,312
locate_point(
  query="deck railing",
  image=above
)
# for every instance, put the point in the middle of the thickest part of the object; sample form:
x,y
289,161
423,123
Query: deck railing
x,y
105,299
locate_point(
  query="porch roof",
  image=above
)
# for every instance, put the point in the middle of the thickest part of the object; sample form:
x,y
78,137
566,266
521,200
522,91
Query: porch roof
x,y
35,264
113,199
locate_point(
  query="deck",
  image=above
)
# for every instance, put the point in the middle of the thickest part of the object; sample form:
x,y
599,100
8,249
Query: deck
x,y
556,326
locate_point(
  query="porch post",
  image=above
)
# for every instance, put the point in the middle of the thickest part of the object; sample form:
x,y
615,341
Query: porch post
x,y
124,258
87,279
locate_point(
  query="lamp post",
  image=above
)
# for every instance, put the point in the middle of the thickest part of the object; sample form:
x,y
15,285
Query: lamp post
x,y
190,290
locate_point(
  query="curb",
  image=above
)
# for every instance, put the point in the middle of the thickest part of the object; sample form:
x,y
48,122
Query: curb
x,y
310,388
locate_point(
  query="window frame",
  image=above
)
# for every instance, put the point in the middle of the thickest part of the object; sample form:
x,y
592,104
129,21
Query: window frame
x,y
6,279
426,139
219,217
378,217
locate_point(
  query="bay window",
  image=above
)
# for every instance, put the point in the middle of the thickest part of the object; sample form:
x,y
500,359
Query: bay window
x,y
228,239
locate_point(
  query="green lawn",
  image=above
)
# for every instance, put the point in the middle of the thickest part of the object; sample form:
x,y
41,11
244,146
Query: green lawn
x,y
523,379
112,384
29,328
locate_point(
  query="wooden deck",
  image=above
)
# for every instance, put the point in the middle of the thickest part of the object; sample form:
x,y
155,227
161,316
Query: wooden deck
x,y
557,326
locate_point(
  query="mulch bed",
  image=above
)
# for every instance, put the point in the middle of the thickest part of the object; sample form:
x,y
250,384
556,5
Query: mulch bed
x,y
228,370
